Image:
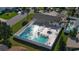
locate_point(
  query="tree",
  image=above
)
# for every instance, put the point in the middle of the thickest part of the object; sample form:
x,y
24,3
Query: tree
x,y
73,33
28,10
0,37
5,32
35,10
24,23
7,42
7,10
71,11
0,30
60,9
46,9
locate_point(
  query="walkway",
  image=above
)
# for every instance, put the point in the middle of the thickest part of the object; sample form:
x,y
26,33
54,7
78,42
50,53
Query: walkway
x,y
16,19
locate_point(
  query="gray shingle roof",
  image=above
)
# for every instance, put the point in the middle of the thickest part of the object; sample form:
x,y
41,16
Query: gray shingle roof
x,y
45,19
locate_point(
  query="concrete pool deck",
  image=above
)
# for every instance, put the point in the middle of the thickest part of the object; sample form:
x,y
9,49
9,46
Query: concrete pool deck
x,y
51,38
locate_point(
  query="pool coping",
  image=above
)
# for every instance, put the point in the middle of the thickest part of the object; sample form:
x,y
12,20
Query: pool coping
x,y
31,41
28,40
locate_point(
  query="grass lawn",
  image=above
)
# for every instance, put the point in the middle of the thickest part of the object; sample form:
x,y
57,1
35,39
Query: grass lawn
x,y
57,47
17,27
8,15
15,43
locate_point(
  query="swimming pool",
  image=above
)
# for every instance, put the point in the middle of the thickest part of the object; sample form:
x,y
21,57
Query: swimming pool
x,y
37,35
31,33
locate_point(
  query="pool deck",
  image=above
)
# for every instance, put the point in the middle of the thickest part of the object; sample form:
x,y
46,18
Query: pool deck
x,y
41,27
23,28
51,37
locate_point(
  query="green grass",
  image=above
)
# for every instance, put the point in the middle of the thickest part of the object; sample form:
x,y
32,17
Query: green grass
x,y
15,43
18,25
8,15
57,47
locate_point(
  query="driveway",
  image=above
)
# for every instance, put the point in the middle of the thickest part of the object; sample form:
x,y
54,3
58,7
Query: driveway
x,y
16,19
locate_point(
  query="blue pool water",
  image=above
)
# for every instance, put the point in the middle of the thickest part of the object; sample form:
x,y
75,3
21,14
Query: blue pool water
x,y
41,39
27,34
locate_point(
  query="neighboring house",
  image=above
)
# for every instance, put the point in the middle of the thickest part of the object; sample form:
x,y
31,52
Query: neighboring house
x,y
53,13
73,23
45,19
77,12
61,15
3,8
73,42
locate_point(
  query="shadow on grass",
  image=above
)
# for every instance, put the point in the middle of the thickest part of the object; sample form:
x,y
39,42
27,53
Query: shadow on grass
x,y
31,45
57,40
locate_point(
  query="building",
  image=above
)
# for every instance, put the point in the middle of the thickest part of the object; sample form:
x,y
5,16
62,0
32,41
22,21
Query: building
x,y
42,31
73,23
4,8
73,42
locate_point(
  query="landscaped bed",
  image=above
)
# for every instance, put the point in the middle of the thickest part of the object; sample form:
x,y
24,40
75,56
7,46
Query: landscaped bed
x,y
19,25
61,43
8,15
16,43
15,28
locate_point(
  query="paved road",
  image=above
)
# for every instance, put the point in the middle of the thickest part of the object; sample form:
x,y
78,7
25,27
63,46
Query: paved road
x,y
16,19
